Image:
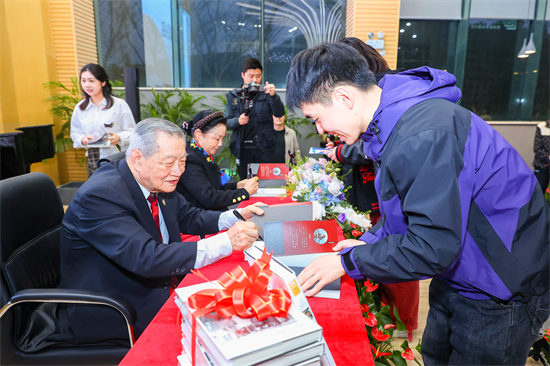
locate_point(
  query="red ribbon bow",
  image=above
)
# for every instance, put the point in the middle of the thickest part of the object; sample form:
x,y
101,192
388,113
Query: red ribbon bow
x,y
244,294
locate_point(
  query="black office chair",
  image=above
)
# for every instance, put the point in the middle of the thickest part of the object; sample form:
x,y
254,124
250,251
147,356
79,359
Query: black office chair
x,y
110,158
31,215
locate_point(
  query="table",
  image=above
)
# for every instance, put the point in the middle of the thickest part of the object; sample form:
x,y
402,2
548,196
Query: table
x,y
342,320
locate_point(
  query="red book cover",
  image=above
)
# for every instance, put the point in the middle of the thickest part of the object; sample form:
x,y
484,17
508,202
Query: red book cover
x,y
272,171
300,237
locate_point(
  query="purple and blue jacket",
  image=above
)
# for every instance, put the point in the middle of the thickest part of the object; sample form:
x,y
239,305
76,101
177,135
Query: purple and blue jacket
x,y
457,201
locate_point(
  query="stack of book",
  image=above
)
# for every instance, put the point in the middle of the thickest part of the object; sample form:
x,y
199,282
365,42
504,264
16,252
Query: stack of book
x,y
293,340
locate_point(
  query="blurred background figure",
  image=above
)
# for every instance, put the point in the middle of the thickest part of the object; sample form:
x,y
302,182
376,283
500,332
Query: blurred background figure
x,y
542,154
280,146
203,184
100,116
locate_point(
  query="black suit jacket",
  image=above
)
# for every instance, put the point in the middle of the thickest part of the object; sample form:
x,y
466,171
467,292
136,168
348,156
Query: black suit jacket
x,y
110,243
200,184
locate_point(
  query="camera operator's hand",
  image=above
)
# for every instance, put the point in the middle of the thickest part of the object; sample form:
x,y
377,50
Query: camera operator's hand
x,y
270,88
243,120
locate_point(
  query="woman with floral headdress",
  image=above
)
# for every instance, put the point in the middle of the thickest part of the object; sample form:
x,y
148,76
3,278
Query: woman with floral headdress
x,y
203,184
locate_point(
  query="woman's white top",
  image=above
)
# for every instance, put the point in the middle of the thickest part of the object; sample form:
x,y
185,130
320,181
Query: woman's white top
x,y
97,121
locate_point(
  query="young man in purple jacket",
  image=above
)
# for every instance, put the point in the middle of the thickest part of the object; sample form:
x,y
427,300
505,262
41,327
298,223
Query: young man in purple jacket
x,y
458,204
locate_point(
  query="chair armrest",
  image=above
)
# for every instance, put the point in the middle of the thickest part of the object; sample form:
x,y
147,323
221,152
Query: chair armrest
x,y
76,297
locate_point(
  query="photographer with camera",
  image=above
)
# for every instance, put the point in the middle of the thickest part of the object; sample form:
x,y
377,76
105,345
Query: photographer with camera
x,y
249,112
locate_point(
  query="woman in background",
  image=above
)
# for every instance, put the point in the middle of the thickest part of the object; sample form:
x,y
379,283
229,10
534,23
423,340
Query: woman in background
x,y
100,117
202,183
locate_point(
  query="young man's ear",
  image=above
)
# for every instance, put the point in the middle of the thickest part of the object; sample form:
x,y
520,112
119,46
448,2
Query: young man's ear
x,y
342,96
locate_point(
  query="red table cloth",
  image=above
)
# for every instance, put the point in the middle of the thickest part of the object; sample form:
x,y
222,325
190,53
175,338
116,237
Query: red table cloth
x,y
342,320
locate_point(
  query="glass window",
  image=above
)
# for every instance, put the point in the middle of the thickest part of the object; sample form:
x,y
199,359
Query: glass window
x,y
427,43
203,43
119,30
498,85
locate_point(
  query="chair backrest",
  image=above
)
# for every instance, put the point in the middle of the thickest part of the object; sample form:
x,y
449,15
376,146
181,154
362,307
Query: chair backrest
x,y
30,217
110,158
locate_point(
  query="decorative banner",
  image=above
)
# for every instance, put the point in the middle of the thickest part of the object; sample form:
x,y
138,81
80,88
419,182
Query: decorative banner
x,y
244,294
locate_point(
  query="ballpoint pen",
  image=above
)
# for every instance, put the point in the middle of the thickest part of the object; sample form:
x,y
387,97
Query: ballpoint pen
x,y
240,217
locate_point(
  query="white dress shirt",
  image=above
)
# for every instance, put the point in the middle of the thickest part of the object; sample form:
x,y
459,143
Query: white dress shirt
x,y
209,250
96,121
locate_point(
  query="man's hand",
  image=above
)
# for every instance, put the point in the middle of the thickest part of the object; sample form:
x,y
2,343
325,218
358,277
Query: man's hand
x,y
249,211
242,235
269,88
243,120
114,138
323,269
86,139
347,243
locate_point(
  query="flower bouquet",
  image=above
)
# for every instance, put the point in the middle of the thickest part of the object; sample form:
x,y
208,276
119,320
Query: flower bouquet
x,y
318,181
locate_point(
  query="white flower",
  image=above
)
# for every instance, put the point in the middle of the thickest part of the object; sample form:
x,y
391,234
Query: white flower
x,y
318,211
302,188
317,177
334,188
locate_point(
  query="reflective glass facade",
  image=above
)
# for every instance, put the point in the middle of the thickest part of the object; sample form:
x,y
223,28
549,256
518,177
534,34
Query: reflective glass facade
x,y
203,43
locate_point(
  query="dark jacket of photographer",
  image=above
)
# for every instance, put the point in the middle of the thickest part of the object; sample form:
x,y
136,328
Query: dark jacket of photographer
x,y
259,124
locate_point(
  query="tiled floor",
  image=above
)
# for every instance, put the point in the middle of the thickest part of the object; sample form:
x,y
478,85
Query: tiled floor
x,y
422,315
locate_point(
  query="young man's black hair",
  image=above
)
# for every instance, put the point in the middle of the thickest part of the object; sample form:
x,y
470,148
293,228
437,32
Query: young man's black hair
x,y
315,72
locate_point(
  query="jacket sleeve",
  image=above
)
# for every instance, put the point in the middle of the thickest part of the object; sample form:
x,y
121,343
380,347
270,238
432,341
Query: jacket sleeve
x,y
424,169
276,105
107,220
196,182
352,154
230,115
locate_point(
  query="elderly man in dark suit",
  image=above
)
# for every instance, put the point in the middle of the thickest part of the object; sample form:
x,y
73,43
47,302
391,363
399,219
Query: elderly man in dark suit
x,y
121,234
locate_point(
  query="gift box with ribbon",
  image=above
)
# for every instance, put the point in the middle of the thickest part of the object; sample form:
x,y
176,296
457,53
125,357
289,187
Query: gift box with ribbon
x,y
238,320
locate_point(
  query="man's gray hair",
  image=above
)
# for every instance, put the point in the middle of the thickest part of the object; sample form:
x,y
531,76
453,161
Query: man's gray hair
x,y
145,135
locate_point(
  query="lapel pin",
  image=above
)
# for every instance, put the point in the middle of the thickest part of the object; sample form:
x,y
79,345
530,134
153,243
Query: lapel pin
x,y
163,202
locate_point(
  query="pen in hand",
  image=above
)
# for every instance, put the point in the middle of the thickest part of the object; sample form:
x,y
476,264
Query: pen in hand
x,y
240,217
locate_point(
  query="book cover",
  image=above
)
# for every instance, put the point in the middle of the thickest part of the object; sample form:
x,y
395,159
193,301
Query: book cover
x,y
248,341
269,170
297,211
300,237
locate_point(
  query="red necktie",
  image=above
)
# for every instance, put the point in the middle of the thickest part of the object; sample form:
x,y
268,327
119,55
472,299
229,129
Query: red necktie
x,y
155,211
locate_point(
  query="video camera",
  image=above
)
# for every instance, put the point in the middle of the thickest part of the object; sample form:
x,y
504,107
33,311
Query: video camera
x,y
247,94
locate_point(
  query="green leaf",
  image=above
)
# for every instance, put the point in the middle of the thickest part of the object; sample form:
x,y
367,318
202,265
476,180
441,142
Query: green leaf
x,y
419,347
405,344
398,322
381,361
398,360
